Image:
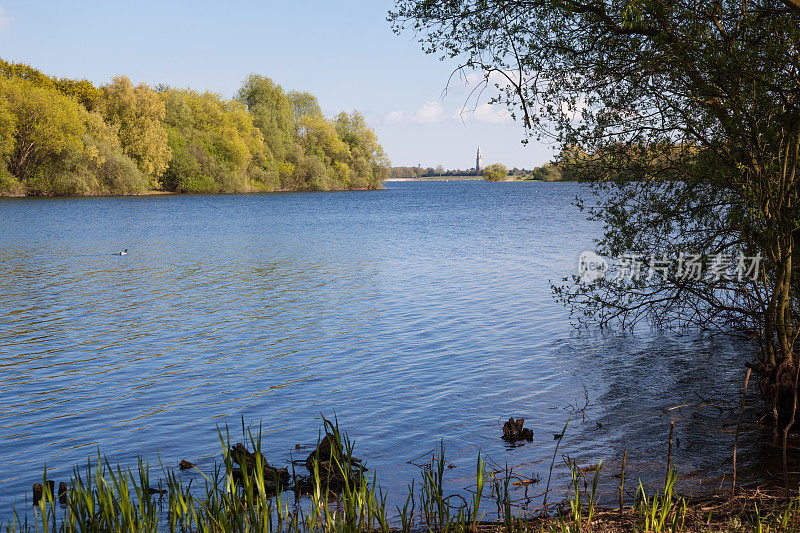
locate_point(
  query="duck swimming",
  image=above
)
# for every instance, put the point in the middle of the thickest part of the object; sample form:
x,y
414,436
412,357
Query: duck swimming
x,y
124,252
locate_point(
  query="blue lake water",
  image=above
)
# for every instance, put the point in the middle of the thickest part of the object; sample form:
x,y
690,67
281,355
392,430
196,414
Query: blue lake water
x,y
417,313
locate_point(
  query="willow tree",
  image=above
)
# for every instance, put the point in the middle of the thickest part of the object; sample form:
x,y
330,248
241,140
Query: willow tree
x,y
687,117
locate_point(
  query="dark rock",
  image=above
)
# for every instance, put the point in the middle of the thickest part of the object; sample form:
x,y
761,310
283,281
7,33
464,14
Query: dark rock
x,y
185,465
513,430
62,493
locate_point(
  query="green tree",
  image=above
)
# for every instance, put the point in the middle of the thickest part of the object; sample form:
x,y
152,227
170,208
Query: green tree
x,y
82,90
304,106
368,164
548,172
495,172
215,145
27,73
689,113
64,136
46,126
53,145
139,114
273,113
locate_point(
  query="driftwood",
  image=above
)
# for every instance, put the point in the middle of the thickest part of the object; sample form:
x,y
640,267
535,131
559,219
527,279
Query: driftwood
x,y
38,490
151,491
332,461
247,463
62,493
513,430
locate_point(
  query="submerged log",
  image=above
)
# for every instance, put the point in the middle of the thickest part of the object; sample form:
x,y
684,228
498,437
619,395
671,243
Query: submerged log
x,y
513,430
151,491
332,461
247,461
270,483
38,490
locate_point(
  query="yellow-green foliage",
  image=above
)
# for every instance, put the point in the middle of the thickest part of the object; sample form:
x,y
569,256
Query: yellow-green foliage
x,y
51,145
368,165
215,145
272,111
82,90
309,151
63,136
548,172
138,113
495,172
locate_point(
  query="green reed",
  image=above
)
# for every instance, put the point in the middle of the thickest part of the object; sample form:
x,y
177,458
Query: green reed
x,y
575,522
338,496
341,498
663,511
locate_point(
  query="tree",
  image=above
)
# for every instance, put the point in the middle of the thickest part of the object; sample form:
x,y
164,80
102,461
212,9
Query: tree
x,y
215,144
689,114
45,127
495,172
304,106
273,113
83,91
139,114
367,160
547,172
50,144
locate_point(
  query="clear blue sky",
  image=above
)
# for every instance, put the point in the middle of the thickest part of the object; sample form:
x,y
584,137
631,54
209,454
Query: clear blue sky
x,y
344,52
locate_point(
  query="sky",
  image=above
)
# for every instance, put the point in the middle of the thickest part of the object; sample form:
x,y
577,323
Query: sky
x,y
344,52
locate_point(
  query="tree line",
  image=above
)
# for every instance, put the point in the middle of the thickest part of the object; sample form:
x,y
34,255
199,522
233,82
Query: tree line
x,y
60,136
552,171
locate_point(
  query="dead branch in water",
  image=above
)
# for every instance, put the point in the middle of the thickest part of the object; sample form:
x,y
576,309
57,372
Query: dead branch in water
x,y
738,425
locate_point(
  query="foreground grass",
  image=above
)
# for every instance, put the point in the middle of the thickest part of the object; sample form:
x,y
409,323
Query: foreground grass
x,y
340,495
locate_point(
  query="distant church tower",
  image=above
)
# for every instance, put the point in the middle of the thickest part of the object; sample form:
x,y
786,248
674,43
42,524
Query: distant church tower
x,y
478,161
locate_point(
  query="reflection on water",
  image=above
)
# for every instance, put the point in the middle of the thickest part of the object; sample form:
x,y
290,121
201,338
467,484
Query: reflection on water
x,y
418,313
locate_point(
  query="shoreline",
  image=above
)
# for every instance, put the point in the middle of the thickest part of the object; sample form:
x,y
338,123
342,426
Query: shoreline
x,y
439,178
244,488
237,495
473,178
155,192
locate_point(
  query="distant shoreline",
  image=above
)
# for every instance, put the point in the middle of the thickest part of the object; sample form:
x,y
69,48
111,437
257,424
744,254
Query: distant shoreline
x,y
157,192
439,178
468,178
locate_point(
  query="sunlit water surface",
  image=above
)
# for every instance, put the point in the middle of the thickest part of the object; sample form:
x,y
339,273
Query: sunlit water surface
x,y
418,313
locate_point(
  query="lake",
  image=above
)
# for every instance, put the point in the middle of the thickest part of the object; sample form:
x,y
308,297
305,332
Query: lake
x,y
415,314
